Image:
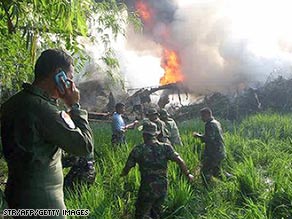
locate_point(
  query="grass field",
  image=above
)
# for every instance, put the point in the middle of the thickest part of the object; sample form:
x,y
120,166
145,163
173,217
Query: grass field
x,y
259,155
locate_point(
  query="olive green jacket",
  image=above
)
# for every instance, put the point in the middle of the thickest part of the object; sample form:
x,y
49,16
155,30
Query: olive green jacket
x,y
214,141
174,135
153,161
33,133
163,135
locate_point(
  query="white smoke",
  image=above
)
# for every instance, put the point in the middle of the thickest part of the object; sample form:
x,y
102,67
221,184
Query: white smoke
x,y
223,44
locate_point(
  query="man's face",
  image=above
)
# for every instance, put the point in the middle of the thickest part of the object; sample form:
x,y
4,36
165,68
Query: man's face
x,y
122,110
153,117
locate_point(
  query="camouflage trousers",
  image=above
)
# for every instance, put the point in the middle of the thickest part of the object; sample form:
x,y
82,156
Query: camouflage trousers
x,y
149,207
150,199
83,172
211,167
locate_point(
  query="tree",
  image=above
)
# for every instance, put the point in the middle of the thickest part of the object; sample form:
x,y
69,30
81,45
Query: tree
x,y
30,26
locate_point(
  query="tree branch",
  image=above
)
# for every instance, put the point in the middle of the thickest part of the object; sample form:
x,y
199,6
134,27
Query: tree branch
x,y
11,28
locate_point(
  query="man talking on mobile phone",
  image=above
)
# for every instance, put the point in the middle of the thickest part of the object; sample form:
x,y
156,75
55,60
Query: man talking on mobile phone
x,y
34,131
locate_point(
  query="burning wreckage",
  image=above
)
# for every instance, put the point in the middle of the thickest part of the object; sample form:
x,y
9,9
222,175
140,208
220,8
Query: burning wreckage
x,y
136,104
274,95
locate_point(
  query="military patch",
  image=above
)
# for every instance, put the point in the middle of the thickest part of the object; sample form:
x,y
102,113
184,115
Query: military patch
x,y
67,119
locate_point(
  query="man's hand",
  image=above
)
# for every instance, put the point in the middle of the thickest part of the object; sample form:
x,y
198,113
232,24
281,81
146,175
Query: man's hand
x,y
191,177
132,125
136,122
71,94
197,135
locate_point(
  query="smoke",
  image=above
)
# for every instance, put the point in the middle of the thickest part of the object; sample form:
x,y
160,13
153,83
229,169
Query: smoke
x,y
214,54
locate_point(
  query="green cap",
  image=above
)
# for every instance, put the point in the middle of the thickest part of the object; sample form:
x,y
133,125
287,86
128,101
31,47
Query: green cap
x,y
152,111
149,128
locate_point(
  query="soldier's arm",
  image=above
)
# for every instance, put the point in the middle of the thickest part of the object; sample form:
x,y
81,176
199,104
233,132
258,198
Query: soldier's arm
x,y
73,134
174,156
182,165
131,162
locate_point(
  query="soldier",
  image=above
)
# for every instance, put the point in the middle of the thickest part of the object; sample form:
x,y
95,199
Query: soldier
x,y
152,157
171,126
214,152
34,132
163,136
82,170
119,126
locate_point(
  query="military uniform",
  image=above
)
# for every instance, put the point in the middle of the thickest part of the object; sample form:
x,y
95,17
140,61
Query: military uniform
x,y
214,151
82,170
163,135
174,135
34,132
152,160
171,126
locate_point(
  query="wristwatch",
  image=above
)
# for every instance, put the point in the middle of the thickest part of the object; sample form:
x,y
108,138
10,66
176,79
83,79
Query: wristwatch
x,y
75,106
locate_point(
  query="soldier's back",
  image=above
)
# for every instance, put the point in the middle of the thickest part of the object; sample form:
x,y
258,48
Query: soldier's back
x,y
174,135
153,160
164,132
214,141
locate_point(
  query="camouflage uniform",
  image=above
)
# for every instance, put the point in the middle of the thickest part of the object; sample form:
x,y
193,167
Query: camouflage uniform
x,y
34,132
152,160
214,151
163,135
163,131
82,170
171,126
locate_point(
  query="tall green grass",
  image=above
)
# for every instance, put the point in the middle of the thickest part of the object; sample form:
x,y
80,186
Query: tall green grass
x,y
259,151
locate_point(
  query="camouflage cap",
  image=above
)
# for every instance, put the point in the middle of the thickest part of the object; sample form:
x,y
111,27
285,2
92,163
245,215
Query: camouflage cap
x,y
152,111
163,113
149,128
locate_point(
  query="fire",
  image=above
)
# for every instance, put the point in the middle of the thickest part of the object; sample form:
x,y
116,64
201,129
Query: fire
x,y
144,11
170,60
172,68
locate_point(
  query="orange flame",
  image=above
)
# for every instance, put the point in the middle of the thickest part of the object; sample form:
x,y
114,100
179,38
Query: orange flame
x,y
172,68
144,11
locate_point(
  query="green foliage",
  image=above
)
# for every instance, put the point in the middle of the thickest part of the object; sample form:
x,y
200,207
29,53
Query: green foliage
x,y
260,187
28,27
259,161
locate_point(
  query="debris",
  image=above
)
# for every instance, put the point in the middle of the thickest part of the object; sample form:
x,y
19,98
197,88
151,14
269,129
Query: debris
x,y
275,95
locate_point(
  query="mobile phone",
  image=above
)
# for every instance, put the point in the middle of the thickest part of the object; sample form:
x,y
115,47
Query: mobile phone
x,y
58,80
